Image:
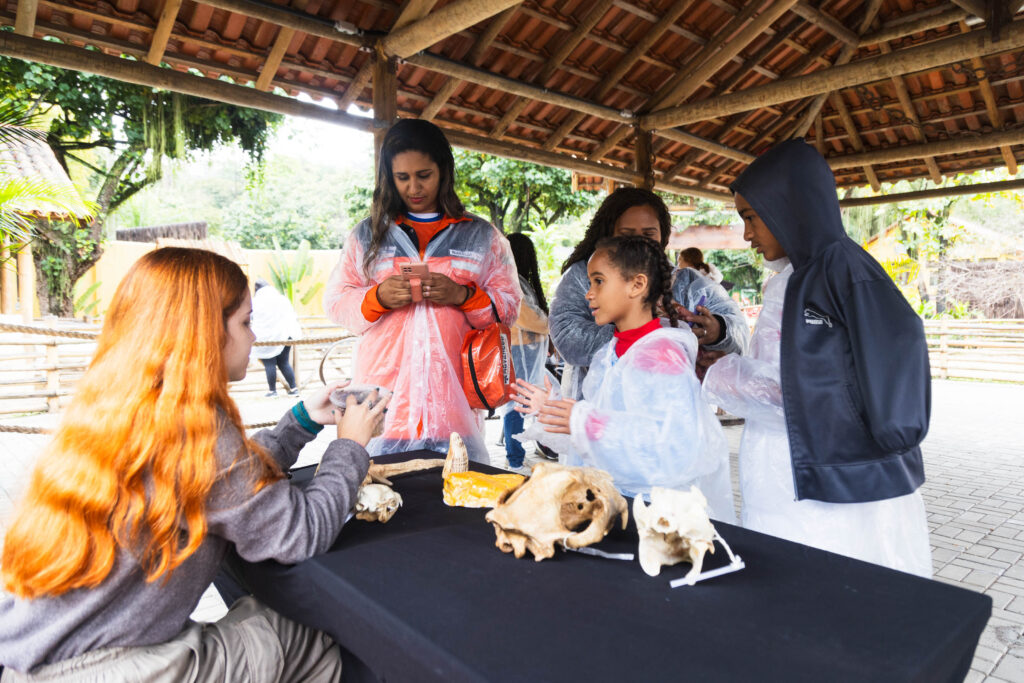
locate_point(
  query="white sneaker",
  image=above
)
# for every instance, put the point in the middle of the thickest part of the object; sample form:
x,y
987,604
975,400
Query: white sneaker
x,y
523,469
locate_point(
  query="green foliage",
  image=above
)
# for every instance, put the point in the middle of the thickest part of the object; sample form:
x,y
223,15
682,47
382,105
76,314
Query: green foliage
x,y
83,308
553,244
288,273
744,268
515,195
954,310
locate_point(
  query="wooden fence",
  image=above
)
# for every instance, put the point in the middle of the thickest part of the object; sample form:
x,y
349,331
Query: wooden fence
x,y
976,349
38,373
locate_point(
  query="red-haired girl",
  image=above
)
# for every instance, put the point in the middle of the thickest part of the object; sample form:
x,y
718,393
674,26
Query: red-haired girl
x,y
147,482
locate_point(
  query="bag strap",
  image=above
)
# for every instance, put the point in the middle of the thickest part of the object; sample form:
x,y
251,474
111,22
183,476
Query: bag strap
x,y
476,384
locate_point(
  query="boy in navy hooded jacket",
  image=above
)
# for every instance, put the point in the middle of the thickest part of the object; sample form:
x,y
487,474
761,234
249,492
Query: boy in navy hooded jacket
x,y
836,390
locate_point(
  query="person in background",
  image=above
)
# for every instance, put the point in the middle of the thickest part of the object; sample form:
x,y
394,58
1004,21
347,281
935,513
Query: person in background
x,y
413,347
836,391
693,257
642,418
273,318
716,320
529,342
150,479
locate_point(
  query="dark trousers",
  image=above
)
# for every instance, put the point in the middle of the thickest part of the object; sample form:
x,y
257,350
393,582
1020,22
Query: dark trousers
x,y
270,366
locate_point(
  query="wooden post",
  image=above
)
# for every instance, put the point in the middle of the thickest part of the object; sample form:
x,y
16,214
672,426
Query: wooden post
x,y
436,26
52,364
643,159
385,101
8,282
26,283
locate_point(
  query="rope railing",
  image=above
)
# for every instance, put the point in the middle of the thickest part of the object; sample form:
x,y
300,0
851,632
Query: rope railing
x,y
20,429
58,332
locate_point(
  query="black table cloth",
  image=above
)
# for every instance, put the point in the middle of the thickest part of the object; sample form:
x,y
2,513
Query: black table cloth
x,y
428,597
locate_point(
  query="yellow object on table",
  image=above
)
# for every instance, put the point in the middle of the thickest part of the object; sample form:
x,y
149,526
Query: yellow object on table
x,y
478,490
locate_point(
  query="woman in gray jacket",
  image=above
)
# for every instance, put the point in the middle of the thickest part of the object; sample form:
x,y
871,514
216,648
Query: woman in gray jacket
x,y
150,479
715,318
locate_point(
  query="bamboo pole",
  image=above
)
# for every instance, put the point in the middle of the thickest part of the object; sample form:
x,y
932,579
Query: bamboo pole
x,y
975,7
706,145
953,191
911,113
437,26
25,20
910,60
8,281
158,43
958,145
994,115
26,283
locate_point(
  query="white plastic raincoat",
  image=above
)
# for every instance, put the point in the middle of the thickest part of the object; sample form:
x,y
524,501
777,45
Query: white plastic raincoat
x,y
642,419
414,350
273,318
891,532
577,337
529,341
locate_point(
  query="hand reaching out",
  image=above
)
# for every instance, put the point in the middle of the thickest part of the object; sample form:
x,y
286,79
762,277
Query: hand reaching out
x,y
530,397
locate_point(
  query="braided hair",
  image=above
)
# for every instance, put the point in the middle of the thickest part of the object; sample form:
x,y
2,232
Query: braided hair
x,y
633,255
611,209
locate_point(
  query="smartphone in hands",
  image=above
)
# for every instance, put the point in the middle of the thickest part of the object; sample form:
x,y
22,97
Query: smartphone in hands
x,y
414,272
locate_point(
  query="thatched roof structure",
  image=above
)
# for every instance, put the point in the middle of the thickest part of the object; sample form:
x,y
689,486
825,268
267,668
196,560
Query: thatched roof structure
x,y
32,159
152,233
681,94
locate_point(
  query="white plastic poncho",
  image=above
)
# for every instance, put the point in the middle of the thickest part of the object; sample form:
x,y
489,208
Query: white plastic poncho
x,y
529,341
273,318
577,337
643,420
415,350
892,532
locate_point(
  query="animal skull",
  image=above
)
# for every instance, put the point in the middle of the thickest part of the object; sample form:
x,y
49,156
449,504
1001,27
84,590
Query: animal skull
x,y
674,528
377,503
571,506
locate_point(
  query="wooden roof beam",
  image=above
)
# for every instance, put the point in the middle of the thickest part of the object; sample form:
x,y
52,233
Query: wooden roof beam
x,y
158,44
436,26
25,20
899,30
919,58
480,46
975,7
955,190
270,66
826,22
594,15
613,77
910,111
994,115
284,16
854,137
958,145
845,55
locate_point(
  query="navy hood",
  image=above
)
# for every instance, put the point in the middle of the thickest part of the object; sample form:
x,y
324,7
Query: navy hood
x,y
792,189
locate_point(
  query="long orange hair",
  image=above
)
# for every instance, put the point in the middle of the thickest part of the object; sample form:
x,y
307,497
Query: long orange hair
x,y
132,462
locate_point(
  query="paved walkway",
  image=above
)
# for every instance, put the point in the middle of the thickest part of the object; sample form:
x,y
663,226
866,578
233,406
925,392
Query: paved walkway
x,y
974,459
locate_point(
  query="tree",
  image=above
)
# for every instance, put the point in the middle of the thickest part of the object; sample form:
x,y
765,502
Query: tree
x,y
113,137
516,195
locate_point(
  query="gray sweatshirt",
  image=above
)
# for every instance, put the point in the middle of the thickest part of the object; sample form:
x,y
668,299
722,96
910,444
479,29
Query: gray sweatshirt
x,y
279,522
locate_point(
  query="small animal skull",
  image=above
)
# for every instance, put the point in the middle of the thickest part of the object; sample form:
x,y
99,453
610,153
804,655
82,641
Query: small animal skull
x,y
674,528
377,503
571,506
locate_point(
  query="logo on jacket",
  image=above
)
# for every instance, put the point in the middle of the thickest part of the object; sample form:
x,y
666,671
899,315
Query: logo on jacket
x,y
813,317
460,253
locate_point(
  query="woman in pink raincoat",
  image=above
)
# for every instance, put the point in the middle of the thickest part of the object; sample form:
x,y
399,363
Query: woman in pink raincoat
x,y
412,347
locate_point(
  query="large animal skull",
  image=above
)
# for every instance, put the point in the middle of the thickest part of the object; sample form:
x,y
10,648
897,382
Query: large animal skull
x,y
377,503
571,506
674,528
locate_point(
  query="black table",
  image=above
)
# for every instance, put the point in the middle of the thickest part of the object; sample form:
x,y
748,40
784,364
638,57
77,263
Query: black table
x,y
428,597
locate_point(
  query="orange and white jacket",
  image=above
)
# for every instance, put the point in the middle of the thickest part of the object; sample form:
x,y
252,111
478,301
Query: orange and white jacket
x,y
414,350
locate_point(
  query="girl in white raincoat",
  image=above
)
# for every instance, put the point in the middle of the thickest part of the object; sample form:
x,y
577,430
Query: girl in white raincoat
x,y
641,418
412,347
